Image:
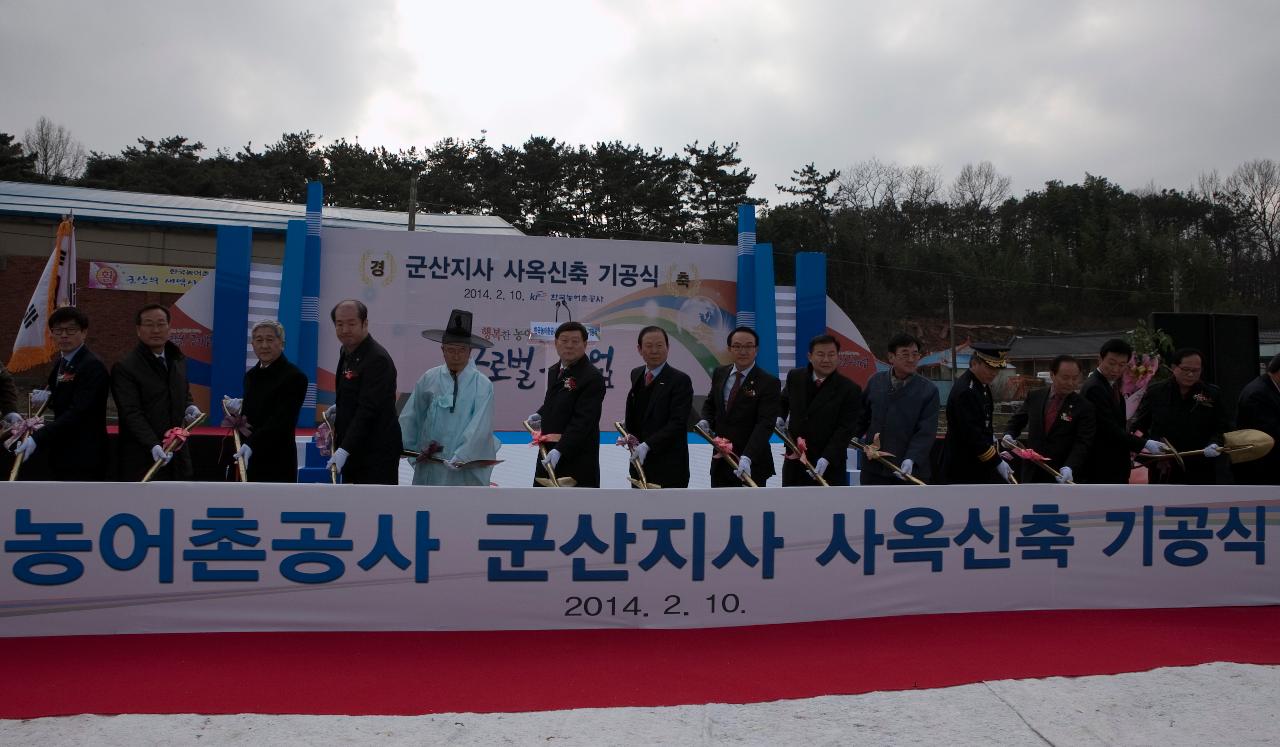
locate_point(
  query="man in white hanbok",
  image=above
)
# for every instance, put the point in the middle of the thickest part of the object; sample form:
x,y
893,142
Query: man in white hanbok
x,y
448,419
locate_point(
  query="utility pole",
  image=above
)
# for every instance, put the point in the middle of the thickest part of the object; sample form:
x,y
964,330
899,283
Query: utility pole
x,y
413,200
951,325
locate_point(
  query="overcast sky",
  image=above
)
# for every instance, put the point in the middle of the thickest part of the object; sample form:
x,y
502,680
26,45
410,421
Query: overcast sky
x,y
1138,92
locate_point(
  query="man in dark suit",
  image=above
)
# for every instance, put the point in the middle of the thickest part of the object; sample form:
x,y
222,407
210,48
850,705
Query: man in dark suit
x,y
742,406
150,388
1060,424
1109,461
822,407
969,454
74,443
1259,409
571,409
658,408
366,434
1190,414
274,390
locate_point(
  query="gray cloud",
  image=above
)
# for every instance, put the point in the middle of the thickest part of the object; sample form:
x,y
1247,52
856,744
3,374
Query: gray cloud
x,y
1137,92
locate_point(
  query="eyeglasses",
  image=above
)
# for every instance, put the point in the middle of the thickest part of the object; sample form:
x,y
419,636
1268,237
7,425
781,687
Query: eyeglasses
x,y
455,349
742,347
58,331
154,325
1186,370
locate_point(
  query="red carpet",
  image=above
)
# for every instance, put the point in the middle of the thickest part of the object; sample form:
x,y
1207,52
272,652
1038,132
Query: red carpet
x,y
416,673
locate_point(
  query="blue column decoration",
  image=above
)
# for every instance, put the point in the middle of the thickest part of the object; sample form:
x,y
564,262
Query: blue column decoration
x,y
309,316
811,301
230,315
766,309
295,266
746,311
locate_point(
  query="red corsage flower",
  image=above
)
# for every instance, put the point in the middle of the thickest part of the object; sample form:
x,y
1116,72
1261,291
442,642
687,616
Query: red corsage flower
x,y
570,383
348,374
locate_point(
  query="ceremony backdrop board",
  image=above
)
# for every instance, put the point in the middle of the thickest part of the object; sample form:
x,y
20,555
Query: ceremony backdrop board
x,y
164,557
411,280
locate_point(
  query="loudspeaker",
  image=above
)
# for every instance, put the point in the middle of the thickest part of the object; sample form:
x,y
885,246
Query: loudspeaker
x,y
1229,343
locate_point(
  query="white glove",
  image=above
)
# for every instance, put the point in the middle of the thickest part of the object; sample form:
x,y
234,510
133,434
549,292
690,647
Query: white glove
x,y
244,453
1005,470
553,458
642,451
781,424
907,466
744,467
159,454
452,463
234,405
704,425
1064,475
26,448
1154,447
1212,450
821,466
339,459
1009,441
39,397
331,413
12,419
535,421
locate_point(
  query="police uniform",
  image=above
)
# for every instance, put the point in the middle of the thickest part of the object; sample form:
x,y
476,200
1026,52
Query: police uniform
x,y
969,454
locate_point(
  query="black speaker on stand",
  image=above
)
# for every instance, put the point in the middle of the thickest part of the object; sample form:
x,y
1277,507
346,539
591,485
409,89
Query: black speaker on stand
x,y
1229,343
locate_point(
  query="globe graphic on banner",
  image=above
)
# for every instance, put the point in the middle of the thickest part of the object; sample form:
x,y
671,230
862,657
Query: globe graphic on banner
x,y
702,318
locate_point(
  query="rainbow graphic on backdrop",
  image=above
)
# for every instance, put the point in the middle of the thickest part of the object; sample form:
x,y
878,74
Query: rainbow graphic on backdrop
x,y
697,314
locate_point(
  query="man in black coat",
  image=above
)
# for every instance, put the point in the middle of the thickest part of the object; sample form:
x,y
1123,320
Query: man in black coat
x,y
1259,409
1059,422
742,406
8,391
1189,413
150,389
274,390
1110,461
571,410
969,454
658,408
72,446
366,431
822,407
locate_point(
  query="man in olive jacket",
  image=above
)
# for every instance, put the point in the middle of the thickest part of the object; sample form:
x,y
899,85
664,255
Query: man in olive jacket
x,y
150,389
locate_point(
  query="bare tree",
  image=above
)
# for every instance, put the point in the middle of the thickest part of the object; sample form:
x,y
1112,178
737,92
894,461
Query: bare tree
x,y
1208,187
979,187
923,184
1255,187
869,184
58,155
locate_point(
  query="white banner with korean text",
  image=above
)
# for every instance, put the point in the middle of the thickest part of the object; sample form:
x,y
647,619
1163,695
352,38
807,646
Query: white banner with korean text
x,y
411,280
230,557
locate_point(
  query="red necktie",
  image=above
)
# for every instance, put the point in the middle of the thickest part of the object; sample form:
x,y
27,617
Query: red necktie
x,y
733,393
648,378
817,383
1051,412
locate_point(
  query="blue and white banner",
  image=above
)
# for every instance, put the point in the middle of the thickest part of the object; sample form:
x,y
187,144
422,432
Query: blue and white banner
x,y
127,558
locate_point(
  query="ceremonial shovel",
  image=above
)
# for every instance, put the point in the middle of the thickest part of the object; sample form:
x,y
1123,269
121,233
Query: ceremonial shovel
x,y
553,482
174,444
235,436
804,459
1243,445
17,458
417,456
1044,465
333,468
643,482
873,451
727,454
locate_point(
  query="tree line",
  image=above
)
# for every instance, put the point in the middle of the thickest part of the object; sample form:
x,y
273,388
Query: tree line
x,y
1089,255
